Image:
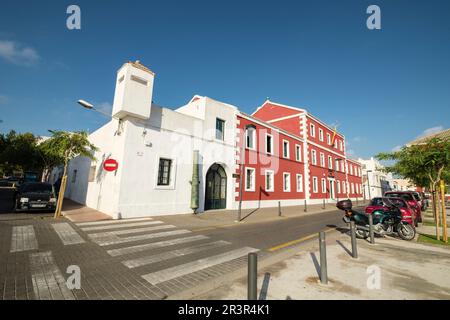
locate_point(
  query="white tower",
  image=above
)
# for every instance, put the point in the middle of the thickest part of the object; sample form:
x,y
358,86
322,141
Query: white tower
x,y
134,90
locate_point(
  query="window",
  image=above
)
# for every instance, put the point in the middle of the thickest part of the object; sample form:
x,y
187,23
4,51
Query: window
x,y
320,134
220,129
315,185
324,186
335,144
269,180
351,169
314,157
285,149
299,183
312,130
164,172
341,145
298,153
269,144
322,160
138,80
336,164
249,179
286,182
338,186
330,162
250,137
74,176
343,187
342,166
353,188
328,139
92,173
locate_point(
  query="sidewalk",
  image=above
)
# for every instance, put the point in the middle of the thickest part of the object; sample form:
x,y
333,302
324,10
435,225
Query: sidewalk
x,y
210,219
407,271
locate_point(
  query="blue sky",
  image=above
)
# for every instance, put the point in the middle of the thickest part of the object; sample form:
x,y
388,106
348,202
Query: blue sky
x,y
384,87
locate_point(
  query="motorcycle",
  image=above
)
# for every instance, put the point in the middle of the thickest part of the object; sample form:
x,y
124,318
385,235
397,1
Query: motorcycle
x,y
389,222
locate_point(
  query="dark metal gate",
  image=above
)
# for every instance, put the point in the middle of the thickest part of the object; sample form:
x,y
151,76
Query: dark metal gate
x,y
216,188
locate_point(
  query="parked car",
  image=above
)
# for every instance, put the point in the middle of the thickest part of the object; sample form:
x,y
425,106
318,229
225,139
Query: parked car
x,y
32,196
384,204
409,197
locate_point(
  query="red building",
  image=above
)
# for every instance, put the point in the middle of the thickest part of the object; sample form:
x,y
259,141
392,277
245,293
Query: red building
x,y
288,155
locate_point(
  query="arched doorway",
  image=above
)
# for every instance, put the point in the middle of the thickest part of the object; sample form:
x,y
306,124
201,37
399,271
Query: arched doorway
x,y
216,188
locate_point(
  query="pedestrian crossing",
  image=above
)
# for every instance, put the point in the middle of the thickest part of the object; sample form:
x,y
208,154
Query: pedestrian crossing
x,y
167,252
23,238
67,234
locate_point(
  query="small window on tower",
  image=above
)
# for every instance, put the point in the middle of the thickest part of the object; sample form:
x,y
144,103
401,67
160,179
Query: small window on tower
x,y
139,80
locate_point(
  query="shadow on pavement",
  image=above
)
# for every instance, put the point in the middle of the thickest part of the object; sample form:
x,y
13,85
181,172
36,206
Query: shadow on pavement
x,y
316,263
344,247
265,287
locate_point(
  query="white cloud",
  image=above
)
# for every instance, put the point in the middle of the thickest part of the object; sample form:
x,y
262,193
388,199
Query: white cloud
x,y
430,131
15,53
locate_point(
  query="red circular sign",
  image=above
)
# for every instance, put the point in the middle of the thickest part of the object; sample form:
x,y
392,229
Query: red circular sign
x,y
110,165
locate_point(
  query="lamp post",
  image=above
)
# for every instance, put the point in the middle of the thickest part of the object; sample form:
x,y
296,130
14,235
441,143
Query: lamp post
x,y
368,183
90,106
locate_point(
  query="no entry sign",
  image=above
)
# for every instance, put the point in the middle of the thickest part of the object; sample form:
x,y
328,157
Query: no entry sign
x,y
110,165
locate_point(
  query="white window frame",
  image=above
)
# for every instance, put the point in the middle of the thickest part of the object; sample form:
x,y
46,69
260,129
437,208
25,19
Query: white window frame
x,y
342,166
336,164
328,139
299,185
312,130
341,145
253,180
271,147
298,153
321,134
352,188
314,157
322,160
324,185
343,187
272,175
351,169
286,187
338,186
173,173
330,162
287,153
253,138
315,185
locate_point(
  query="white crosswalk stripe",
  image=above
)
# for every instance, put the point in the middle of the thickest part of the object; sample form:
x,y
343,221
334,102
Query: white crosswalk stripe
x,y
190,267
149,259
120,226
23,238
128,231
114,239
154,245
67,234
48,281
106,222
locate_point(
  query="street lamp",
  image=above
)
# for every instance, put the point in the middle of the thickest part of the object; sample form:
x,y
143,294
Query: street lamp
x,y
368,183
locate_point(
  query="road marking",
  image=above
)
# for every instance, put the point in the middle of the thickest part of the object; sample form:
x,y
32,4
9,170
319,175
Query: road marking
x,y
154,245
190,267
287,244
67,234
146,260
48,281
127,225
95,223
128,231
114,239
23,238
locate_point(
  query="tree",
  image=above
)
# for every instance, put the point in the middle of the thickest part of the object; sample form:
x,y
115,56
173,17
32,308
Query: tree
x,y
425,164
65,146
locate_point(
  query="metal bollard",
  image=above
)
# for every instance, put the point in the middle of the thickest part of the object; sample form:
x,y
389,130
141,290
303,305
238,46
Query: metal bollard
x,y
252,276
306,209
279,208
353,235
323,259
371,234
323,205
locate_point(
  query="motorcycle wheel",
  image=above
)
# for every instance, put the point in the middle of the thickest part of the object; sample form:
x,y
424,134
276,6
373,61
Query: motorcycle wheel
x,y
406,231
361,234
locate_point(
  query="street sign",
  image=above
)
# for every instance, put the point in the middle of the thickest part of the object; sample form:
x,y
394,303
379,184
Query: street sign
x,y
110,165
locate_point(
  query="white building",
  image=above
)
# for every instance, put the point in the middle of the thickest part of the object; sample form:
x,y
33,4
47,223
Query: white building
x,y
375,181
140,137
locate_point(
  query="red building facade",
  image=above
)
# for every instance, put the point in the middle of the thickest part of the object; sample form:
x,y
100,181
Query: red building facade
x,y
288,155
